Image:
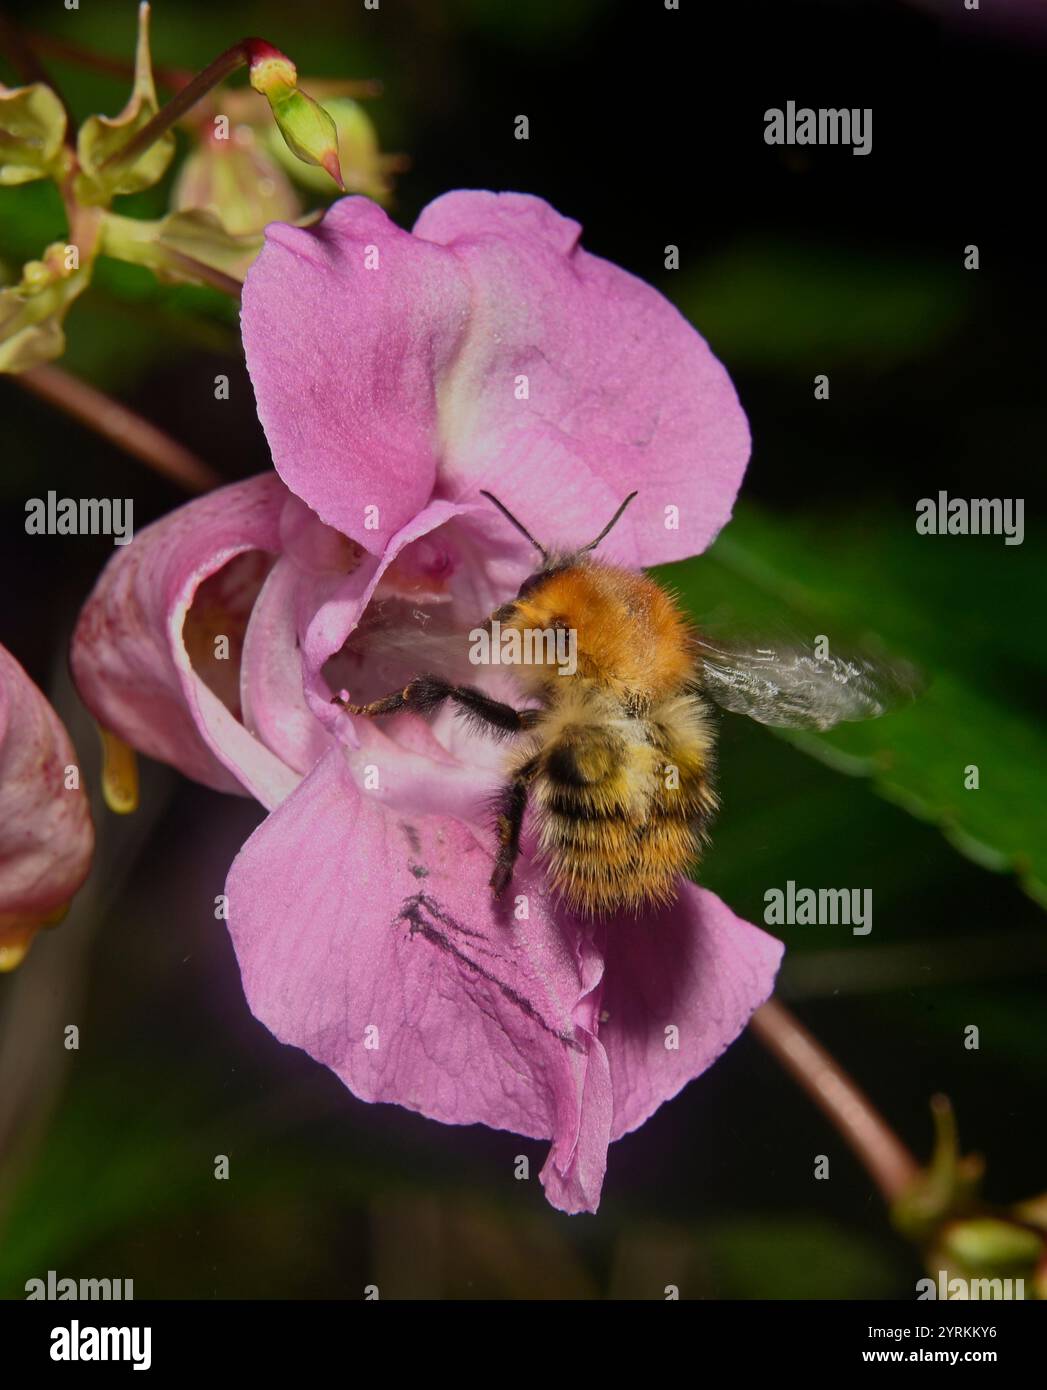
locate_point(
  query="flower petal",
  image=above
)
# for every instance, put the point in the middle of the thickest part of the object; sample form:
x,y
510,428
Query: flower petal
x,y
693,966
129,658
271,693
347,328
486,350
336,618
370,940
621,392
46,836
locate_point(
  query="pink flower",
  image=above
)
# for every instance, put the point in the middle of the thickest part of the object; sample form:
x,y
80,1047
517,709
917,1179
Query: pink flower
x,y
46,837
396,375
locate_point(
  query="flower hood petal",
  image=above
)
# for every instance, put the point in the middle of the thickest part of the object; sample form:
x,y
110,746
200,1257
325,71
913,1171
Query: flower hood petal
x,y
486,349
348,327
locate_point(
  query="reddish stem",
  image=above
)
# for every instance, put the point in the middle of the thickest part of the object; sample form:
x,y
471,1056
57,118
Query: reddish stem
x,y
121,426
245,52
888,1161
66,51
22,57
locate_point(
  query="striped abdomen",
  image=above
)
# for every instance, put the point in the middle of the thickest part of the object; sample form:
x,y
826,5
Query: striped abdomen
x,y
623,804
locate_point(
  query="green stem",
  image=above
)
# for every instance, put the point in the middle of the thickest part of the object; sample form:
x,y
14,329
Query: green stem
x,y
137,240
121,426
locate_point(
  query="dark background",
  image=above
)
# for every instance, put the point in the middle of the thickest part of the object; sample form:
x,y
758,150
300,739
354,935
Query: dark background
x,y
647,126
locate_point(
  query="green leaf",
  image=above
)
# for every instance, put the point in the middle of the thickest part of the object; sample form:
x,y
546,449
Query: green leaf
x,y
31,216
875,582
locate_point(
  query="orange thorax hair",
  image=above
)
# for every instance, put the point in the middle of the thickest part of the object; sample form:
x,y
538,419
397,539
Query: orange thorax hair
x,y
632,639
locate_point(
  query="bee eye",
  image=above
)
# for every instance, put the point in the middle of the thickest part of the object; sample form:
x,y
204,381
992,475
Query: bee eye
x,y
505,614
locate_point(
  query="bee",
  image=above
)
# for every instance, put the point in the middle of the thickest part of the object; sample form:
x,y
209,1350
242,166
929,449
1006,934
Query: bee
x,y
615,751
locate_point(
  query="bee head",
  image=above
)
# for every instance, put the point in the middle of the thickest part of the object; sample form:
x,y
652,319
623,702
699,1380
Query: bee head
x,y
553,605
553,563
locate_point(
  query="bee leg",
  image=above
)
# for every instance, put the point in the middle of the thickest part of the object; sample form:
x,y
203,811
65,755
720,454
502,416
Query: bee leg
x,y
512,803
425,693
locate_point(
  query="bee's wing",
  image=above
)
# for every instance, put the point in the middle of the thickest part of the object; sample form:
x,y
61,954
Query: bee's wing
x,y
786,684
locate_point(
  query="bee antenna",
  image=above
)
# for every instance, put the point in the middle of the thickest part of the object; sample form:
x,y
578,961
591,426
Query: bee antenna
x,y
519,525
610,525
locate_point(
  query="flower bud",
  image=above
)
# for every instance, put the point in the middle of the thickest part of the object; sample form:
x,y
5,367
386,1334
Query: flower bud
x,y
180,247
363,166
238,181
990,1245
948,1184
103,137
46,836
32,312
32,129
308,131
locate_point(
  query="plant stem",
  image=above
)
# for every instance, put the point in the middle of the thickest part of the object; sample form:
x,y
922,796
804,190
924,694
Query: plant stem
x,y
174,79
888,1161
238,56
121,426
206,274
138,241
74,53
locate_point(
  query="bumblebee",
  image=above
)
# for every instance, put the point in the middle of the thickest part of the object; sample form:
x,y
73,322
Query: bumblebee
x,y
615,753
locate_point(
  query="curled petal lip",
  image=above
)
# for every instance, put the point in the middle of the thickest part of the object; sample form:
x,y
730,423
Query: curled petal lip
x,y
271,694
339,615
366,935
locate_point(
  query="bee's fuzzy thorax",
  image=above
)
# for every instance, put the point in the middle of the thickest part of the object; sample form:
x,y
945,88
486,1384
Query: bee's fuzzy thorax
x,y
631,636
